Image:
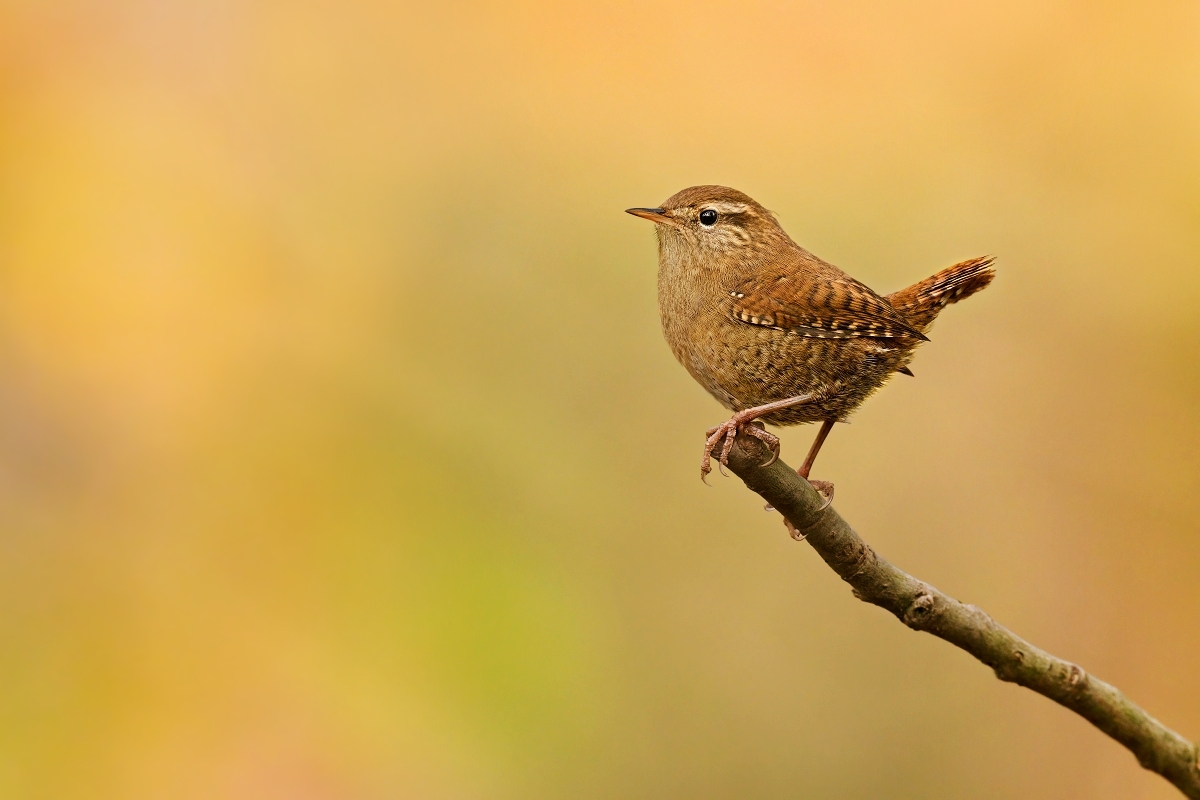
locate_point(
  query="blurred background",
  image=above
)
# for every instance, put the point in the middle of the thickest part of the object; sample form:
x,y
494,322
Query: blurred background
x,y
341,455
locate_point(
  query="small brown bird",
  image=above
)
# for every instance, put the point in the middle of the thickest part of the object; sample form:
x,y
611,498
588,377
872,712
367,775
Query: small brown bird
x,y
774,333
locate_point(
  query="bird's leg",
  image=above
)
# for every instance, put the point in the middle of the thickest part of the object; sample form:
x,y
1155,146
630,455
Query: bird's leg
x,y
739,422
824,487
822,434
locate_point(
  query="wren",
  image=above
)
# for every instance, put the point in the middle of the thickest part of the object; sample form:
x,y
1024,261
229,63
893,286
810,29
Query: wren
x,y
774,333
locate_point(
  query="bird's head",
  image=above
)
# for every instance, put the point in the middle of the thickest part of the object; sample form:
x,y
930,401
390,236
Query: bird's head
x,y
712,221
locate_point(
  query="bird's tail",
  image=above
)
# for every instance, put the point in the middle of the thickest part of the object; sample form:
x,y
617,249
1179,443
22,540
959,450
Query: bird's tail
x,y
922,302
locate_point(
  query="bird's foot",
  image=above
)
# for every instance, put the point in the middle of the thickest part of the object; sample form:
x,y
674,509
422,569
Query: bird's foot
x,y
793,531
825,489
741,422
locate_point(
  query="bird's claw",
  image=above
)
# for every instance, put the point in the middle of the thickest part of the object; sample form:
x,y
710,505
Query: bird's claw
x,y
728,431
825,489
774,456
793,531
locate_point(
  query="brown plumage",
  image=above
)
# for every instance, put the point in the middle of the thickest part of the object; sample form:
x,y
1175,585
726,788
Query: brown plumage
x,y
770,330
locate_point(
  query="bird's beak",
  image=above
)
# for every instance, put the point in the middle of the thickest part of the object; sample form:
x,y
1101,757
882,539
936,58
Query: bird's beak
x,y
658,215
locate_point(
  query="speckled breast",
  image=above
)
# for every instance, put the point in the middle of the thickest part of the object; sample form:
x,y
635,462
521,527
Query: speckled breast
x,y
743,366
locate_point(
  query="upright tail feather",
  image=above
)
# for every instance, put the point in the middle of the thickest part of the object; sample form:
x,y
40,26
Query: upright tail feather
x,y
922,302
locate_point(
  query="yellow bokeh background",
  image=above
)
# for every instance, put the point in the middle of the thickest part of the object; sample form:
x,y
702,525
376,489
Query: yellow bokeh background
x,y
341,456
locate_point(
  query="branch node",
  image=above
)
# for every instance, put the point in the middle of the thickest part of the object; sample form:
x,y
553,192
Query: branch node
x,y
1077,677
920,611
1010,669
862,561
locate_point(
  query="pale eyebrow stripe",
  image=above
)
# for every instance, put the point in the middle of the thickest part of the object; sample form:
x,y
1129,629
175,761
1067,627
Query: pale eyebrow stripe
x,y
728,208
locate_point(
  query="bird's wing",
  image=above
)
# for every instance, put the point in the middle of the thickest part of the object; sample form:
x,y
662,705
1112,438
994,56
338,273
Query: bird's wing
x,y
826,305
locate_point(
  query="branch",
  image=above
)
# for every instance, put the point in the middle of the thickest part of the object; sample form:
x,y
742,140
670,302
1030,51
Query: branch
x,y
922,607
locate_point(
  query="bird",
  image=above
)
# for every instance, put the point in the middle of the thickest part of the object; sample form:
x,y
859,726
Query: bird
x,y
774,333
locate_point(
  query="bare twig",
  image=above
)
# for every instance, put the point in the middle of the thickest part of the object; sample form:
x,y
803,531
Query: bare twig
x,y
922,607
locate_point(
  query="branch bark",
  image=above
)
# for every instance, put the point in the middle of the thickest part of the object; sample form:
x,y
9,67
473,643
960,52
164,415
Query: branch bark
x,y
922,607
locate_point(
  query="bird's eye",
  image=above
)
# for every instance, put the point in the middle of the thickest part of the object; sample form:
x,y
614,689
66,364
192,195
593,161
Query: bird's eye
x,y
708,217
